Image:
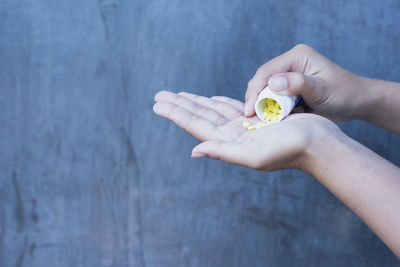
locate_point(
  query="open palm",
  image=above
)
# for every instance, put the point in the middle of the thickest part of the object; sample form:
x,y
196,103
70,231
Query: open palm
x,y
217,122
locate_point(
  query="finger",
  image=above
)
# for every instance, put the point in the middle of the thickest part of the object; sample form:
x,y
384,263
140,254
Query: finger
x,y
293,60
260,81
188,121
196,108
239,105
225,109
295,83
230,152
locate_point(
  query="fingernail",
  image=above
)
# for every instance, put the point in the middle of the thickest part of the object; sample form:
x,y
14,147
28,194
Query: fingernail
x,y
246,108
198,155
278,83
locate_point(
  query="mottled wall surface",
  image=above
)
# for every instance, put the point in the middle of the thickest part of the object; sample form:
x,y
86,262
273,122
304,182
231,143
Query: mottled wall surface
x,y
89,176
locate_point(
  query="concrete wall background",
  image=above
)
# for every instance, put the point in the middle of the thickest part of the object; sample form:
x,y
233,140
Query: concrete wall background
x,y
89,176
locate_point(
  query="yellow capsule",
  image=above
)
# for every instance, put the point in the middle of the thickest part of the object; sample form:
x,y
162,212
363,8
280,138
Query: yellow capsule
x,y
246,124
275,118
257,126
260,124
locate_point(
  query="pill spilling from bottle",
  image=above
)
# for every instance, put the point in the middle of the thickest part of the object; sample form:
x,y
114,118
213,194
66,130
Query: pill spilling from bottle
x,y
272,113
272,110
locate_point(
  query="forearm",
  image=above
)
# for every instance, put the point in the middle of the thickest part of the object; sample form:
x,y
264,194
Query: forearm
x,y
364,181
382,103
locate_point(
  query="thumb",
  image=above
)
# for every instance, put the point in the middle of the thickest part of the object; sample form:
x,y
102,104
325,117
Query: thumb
x,y
230,152
295,83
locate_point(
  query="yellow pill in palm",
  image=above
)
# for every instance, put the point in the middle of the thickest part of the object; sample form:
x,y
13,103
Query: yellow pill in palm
x,y
260,125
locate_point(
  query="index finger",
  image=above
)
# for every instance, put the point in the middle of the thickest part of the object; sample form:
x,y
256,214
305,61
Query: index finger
x,y
289,61
193,124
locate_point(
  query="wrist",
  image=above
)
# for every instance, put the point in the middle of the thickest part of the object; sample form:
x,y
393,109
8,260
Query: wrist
x,y
366,100
327,143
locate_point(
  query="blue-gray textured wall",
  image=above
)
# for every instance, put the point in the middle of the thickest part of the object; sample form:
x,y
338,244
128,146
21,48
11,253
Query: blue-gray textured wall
x,y
89,176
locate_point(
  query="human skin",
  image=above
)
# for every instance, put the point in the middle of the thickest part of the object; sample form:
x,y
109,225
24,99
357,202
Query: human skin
x,y
327,89
364,181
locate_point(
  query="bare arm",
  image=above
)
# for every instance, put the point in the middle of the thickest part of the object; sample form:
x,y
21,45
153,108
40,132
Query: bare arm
x,y
382,104
328,89
364,181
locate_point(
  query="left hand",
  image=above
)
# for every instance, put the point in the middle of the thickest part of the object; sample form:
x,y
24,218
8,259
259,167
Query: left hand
x,y
217,122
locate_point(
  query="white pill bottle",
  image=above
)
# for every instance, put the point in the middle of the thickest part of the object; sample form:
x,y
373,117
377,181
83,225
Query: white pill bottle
x,y
287,103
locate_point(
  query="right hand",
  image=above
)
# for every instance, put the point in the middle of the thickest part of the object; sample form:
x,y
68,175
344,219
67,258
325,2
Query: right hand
x,y
327,89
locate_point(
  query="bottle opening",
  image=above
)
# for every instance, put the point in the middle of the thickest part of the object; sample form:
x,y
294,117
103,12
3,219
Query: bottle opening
x,y
269,110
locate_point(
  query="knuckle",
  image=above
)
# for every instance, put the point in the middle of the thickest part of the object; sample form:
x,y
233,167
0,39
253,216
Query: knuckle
x,y
303,48
260,69
250,83
301,81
